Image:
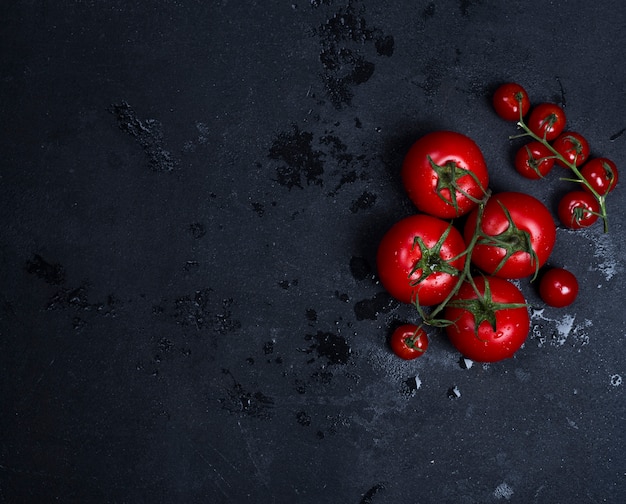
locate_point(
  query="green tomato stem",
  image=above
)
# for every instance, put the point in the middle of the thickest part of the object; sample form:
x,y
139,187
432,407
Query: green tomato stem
x,y
465,273
572,166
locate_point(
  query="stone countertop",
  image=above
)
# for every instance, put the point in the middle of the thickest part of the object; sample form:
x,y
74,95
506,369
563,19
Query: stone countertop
x,y
192,197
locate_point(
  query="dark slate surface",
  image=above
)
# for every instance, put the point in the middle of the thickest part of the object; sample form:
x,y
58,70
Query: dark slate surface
x,y
192,193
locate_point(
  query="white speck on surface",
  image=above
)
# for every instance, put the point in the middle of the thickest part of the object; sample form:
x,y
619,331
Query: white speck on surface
x,y
564,328
454,393
606,257
467,362
606,254
503,491
418,382
616,380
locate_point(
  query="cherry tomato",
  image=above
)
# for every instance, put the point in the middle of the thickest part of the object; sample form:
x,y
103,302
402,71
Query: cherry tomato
x,y
491,322
558,287
573,147
445,175
602,174
513,246
534,160
547,120
578,209
409,341
508,99
419,258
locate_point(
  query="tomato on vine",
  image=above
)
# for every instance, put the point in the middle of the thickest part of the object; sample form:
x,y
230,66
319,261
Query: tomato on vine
x,y
419,258
547,120
490,320
444,174
578,209
534,160
510,101
516,235
601,174
409,341
573,147
558,287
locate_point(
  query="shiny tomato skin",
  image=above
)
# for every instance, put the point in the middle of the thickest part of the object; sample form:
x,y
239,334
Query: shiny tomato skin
x,y
602,174
528,214
397,255
409,341
588,208
489,345
573,147
558,287
547,120
421,181
534,160
507,99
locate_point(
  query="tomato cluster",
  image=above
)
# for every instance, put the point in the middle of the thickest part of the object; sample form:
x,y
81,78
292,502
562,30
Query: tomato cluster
x,y
551,144
455,258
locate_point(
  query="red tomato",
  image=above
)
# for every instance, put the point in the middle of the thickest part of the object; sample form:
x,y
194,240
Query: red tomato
x,y
419,258
409,341
509,99
534,160
573,147
445,175
513,248
601,173
486,327
558,287
547,120
578,209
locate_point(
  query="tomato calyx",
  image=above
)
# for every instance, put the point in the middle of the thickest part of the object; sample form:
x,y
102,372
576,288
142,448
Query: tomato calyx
x,y
414,341
581,214
483,308
448,175
430,260
512,240
535,163
547,124
576,146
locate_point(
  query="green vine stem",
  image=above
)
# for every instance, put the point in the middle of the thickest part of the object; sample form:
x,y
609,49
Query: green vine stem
x,y
465,274
601,198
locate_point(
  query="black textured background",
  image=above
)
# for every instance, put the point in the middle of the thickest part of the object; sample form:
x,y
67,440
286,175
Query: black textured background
x,y
192,193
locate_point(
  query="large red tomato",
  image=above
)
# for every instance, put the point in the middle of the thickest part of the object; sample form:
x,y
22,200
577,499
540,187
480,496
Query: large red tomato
x,y
490,319
419,258
517,235
444,174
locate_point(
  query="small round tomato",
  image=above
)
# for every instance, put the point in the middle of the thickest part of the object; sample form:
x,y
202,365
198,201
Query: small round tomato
x,y
573,147
558,287
509,100
490,320
578,209
534,160
419,258
409,341
517,235
601,174
547,120
445,174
